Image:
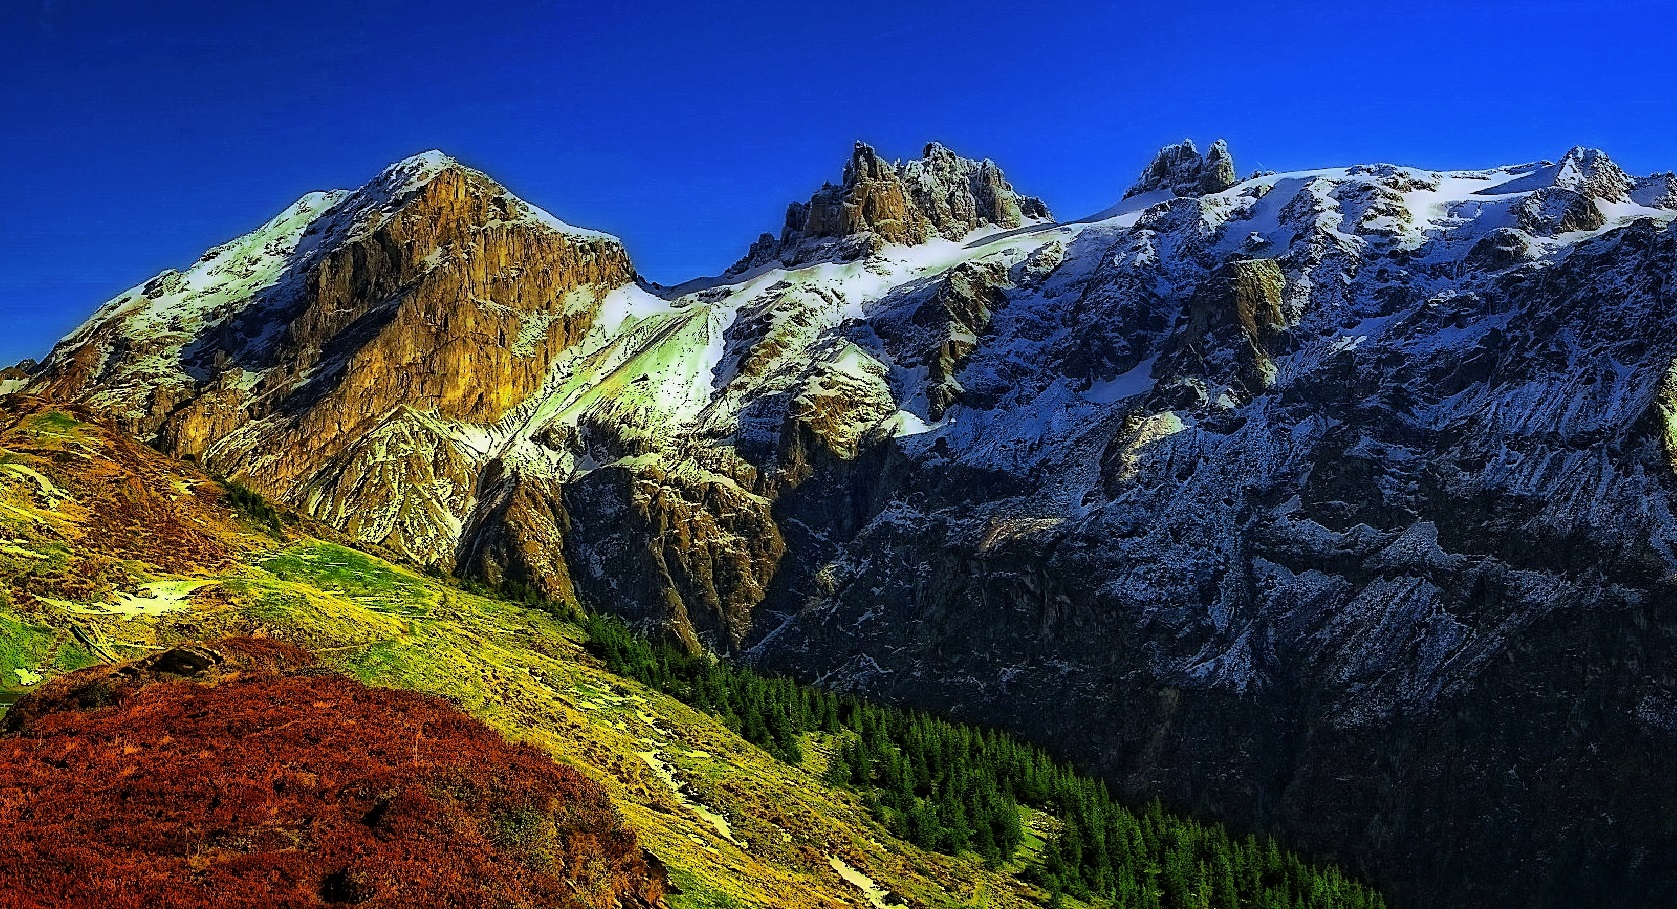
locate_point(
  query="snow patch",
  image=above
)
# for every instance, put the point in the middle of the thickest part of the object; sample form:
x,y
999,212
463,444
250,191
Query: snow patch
x,y
1134,382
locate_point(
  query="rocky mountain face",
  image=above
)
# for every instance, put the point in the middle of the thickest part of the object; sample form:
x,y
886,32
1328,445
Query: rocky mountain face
x,y
879,203
325,355
1336,503
1181,170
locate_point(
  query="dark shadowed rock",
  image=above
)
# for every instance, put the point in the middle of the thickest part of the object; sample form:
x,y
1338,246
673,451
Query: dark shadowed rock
x,y
1657,191
1181,170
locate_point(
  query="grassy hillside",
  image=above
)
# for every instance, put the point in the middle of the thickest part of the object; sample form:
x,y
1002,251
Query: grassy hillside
x,y
109,551
944,785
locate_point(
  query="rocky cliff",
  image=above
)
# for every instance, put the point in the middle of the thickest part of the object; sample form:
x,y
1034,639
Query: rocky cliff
x,y
879,203
328,357
1336,503
1180,170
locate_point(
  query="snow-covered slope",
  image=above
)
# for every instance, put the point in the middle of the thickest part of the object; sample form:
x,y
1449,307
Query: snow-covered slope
x,y
1262,481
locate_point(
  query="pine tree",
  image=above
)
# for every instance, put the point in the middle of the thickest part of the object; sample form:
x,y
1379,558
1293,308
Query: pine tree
x,y
951,787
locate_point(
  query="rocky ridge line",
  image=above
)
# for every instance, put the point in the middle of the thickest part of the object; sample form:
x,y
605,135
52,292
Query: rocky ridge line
x,y
877,202
1181,170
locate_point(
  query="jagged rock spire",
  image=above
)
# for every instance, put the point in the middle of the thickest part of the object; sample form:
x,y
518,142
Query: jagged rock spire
x,y
879,202
1183,171
1589,172
1567,196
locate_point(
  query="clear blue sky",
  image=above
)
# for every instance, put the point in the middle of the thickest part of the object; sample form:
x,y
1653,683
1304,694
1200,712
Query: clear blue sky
x,y
137,134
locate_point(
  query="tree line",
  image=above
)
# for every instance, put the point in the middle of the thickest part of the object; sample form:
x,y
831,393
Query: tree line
x,y
956,788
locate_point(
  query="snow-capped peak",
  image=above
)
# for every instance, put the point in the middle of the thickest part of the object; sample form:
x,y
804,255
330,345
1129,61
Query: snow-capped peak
x,y
1350,430
1589,171
1586,171
415,170
397,183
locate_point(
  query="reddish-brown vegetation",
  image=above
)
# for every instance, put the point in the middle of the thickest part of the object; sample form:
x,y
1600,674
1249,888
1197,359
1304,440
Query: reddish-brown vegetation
x,y
239,777
114,501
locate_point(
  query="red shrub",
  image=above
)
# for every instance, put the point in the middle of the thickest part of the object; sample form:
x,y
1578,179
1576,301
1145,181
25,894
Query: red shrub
x,y
245,786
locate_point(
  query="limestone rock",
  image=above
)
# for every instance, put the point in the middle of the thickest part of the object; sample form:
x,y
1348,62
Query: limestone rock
x,y
1556,211
1181,170
1590,173
939,195
1217,173
834,414
1500,248
14,378
283,358
1235,322
1568,196
942,331
518,532
690,551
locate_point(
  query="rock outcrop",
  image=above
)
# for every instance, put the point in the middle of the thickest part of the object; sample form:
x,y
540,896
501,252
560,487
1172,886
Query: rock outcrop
x,y
327,359
1590,173
16,377
1656,191
878,202
1234,329
943,330
1182,171
1568,196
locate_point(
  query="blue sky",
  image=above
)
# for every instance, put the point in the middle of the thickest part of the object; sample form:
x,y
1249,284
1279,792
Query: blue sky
x,y
138,134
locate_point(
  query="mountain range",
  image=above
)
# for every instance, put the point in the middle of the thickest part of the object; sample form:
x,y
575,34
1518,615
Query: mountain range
x,y
1335,504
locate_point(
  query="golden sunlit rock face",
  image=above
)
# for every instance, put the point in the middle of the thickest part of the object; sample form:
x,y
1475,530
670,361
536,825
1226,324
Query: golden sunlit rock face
x,y
447,308
431,365
431,297
880,202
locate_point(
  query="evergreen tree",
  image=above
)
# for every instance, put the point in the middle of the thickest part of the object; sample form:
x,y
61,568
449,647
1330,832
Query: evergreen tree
x,y
952,787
